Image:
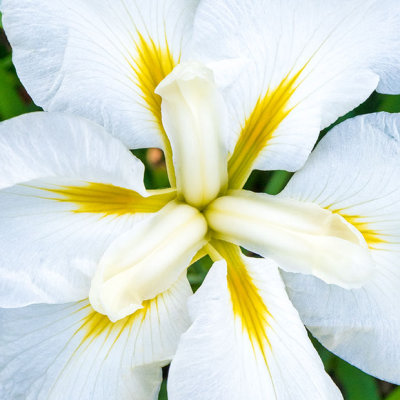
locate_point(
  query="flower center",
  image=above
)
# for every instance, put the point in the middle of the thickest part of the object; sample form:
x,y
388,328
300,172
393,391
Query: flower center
x,y
150,258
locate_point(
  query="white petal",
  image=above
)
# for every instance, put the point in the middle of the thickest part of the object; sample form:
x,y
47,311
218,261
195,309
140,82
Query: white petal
x,y
356,171
147,260
68,189
65,352
39,145
309,62
194,117
300,236
102,59
217,359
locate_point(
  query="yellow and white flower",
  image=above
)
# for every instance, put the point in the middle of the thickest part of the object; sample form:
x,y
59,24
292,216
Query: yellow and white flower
x,y
107,258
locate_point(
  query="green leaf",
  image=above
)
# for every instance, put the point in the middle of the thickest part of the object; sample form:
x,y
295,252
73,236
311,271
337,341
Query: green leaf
x,y
163,391
355,384
389,103
328,358
198,271
395,395
11,103
277,182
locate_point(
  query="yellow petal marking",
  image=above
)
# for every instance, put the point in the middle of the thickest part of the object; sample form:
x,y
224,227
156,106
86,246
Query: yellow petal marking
x,y
259,128
106,199
96,324
150,66
371,236
248,305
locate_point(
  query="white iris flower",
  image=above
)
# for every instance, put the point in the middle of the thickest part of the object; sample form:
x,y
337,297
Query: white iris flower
x,y
93,266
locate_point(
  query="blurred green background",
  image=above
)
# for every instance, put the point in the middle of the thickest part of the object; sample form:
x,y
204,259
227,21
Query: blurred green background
x,y
355,385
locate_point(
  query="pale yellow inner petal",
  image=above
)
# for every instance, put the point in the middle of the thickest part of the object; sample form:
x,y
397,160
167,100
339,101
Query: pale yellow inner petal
x,y
194,118
147,260
301,237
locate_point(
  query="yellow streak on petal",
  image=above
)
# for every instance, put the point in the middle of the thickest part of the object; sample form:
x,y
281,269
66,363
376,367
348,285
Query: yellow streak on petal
x,y
259,129
371,236
150,66
96,325
248,305
108,199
